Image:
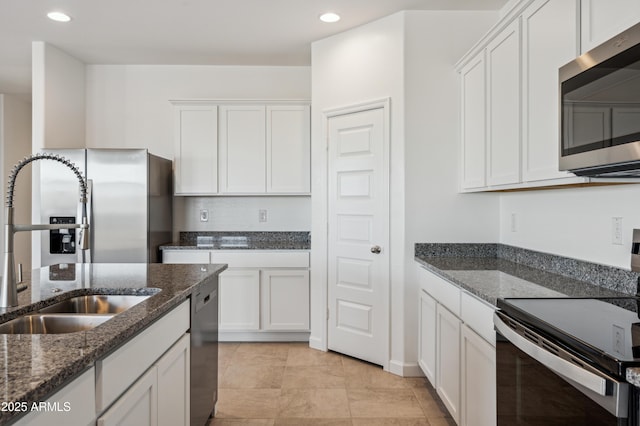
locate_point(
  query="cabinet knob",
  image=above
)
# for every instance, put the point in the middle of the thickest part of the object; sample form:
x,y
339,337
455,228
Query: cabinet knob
x,y
376,249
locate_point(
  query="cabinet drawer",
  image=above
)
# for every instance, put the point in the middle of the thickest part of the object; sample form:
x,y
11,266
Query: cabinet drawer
x,y
443,291
478,315
116,372
185,256
261,259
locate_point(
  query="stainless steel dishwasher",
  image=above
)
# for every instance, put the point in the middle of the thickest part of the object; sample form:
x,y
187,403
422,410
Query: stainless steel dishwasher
x,y
204,352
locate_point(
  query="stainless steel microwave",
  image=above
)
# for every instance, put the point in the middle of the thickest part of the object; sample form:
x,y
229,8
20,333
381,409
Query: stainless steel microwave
x,y
600,109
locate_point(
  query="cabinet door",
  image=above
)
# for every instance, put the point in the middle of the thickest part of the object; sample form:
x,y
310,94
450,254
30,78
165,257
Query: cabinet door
x,y
76,404
288,149
473,123
242,149
427,344
503,67
185,256
549,39
173,385
478,380
285,299
239,300
448,360
603,19
137,406
196,149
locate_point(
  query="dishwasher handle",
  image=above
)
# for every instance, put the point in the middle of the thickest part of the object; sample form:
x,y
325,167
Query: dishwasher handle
x,y
587,377
201,302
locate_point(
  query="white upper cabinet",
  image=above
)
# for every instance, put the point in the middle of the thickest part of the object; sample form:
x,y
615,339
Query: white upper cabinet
x,y
503,65
521,119
549,40
196,149
472,78
288,149
603,19
242,149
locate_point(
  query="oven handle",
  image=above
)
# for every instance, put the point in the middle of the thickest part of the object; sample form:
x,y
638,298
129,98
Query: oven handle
x,y
588,379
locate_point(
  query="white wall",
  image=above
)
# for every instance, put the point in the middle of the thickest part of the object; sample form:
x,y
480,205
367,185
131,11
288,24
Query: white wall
x,y
15,143
434,210
406,58
58,98
357,66
58,113
128,107
573,222
241,214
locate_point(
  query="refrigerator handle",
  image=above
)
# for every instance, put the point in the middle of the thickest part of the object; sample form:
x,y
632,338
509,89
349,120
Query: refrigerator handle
x,y
84,256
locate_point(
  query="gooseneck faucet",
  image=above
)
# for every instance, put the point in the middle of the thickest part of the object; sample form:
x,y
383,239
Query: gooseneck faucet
x,y
8,288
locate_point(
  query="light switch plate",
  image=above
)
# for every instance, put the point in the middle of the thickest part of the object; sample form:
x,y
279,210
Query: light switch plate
x,y
204,215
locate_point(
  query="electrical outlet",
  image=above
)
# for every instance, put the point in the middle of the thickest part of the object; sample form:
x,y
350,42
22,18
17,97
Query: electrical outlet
x,y
204,215
262,215
514,223
616,231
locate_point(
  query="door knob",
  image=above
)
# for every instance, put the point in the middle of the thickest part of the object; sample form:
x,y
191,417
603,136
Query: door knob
x,y
376,249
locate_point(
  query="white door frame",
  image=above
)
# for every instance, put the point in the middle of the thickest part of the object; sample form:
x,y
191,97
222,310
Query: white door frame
x,y
385,104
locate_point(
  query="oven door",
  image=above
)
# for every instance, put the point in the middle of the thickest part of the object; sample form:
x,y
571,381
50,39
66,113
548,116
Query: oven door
x,y
539,383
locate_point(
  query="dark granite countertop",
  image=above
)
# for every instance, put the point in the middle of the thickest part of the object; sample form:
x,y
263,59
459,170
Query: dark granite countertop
x,y
241,241
493,271
35,366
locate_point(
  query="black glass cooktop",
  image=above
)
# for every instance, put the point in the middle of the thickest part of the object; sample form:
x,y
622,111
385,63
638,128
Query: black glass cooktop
x,y
604,332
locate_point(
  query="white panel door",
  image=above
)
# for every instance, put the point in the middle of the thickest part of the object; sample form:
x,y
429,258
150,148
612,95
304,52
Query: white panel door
x,y
358,267
242,149
503,67
448,360
196,149
239,300
474,123
288,149
603,19
549,38
285,299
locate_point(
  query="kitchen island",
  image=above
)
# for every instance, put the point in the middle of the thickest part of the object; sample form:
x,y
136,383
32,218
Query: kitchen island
x,y
36,366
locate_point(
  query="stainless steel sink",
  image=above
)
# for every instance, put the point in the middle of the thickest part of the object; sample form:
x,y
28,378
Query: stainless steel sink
x,y
95,304
52,323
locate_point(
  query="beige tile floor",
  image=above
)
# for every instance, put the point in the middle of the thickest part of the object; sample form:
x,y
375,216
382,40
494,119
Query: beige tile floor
x,y
291,384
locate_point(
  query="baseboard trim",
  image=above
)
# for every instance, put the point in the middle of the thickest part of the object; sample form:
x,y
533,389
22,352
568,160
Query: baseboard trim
x,y
410,369
275,336
316,343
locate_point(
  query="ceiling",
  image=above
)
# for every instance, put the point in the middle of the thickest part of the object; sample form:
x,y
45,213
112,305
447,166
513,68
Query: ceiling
x,y
196,32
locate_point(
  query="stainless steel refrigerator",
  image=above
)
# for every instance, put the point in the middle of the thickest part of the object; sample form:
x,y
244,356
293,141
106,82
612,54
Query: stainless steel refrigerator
x,y
129,205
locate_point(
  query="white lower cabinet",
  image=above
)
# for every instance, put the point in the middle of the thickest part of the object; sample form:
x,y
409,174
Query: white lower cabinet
x,y
264,294
281,288
159,395
137,406
478,372
448,360
427,341
456,349
74,405
240,300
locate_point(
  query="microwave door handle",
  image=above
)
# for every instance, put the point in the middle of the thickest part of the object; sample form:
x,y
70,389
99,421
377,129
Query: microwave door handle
x,y
588,379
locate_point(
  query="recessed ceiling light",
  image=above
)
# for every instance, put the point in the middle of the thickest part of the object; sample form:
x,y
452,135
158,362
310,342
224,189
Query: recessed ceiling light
x,y
330,17
59,16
